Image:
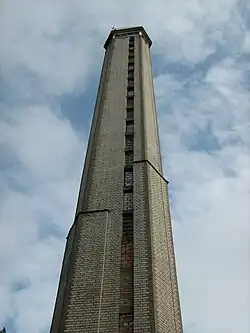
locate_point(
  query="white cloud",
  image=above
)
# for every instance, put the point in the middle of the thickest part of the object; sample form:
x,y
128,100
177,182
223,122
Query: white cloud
x,y
246,43
51,48
211,194
56,41
49,155
43,38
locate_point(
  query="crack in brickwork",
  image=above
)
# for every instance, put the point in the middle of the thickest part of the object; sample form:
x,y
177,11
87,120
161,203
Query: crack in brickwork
x,y
126,314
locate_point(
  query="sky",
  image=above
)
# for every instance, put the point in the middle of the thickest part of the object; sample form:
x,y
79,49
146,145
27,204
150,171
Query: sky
x,y
50,60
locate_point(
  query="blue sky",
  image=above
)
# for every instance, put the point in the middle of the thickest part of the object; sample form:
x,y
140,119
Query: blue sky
x,y
50,59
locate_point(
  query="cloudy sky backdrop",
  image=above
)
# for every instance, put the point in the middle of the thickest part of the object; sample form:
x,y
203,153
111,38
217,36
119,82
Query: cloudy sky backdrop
x,y
50,60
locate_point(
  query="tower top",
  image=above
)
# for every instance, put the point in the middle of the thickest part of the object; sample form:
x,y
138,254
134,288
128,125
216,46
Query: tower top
x,y
127,32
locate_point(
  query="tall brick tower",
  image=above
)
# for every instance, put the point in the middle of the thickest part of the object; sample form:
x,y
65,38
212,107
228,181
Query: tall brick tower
x,y
118,273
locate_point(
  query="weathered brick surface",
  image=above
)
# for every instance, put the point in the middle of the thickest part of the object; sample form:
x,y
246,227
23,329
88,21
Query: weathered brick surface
x,y
170,249
63,283
143,284
168,316
106,180
153,231
139,153
152,147
85,296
